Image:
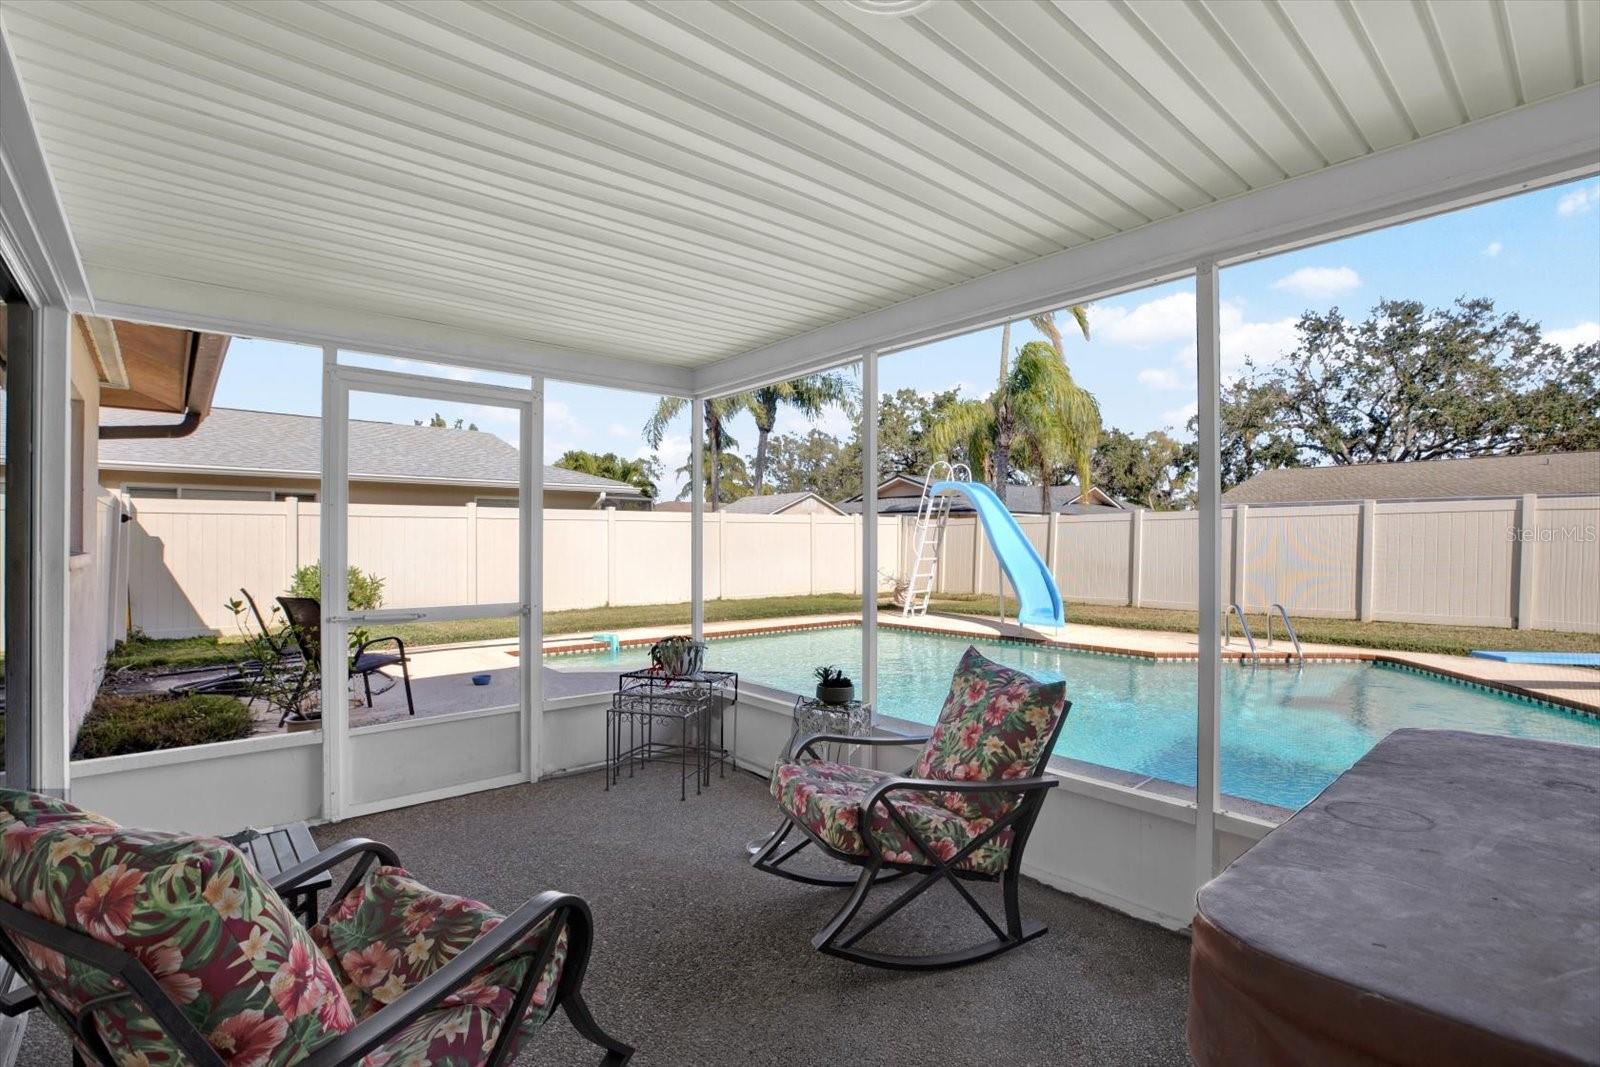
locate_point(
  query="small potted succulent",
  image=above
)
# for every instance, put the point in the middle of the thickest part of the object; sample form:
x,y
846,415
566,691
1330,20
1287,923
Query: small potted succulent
x,y
834,687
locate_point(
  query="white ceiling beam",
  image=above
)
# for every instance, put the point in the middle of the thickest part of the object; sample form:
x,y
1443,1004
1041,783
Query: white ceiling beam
x,y
34,236
162,301
1540,144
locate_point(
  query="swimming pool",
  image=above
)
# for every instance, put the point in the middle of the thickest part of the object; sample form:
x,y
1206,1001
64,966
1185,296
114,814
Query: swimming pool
x,y
1286,733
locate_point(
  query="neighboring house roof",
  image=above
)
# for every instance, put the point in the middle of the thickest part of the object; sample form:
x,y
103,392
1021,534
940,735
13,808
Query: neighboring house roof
x,y
1556,474
234,441
775,503
1020,499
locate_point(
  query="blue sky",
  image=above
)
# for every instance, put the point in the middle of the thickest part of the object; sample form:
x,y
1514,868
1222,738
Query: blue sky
x,y
1538,254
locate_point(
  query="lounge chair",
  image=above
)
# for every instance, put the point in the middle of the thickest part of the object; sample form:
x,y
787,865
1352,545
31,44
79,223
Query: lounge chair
x,y
961,813
164,948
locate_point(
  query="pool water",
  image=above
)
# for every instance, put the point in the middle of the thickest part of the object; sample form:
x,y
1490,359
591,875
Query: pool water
x,y
1286,733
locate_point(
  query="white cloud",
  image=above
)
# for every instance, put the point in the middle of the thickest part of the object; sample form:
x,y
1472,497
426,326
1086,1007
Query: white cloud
x,y
1583,333
1492,249
1154,322
1160,378
1579,201
1178,418
558,416
1317,283
616,429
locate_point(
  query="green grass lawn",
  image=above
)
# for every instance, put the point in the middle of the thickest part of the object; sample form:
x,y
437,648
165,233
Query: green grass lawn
x,y
143,652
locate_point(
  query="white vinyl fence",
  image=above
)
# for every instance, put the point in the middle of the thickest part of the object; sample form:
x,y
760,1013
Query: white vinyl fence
x,y
1528,562
190,557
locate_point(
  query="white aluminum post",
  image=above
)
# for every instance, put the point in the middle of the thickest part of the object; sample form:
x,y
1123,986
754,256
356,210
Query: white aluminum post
x,y
869,531
52,480
530,533
697,518
334,499
1208,347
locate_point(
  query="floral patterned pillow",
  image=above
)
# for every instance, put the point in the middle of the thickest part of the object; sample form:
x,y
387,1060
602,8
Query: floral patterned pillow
x,y
994,726
391,932
193,910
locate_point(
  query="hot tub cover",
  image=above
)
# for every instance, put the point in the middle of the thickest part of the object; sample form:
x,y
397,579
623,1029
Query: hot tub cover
x,y
1438,904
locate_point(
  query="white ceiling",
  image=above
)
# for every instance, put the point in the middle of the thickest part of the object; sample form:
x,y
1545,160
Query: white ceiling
x,y
679,183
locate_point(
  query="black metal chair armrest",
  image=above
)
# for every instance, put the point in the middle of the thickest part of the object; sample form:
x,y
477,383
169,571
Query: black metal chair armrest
x,y
367,850
18,1002
389,1020
881,792
847,739
939,785
369,642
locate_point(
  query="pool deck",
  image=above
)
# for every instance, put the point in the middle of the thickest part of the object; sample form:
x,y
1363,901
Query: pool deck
x,y
440,676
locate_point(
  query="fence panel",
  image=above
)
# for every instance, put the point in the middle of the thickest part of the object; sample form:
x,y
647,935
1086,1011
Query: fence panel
x,y
1445,561
1566,567
1092,555
1304,558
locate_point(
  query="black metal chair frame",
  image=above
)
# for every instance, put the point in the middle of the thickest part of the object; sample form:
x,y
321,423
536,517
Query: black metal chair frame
x,y
833,938
246,676
310,644
349,1048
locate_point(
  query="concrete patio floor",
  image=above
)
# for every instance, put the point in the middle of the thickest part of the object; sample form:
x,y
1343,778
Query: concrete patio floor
x,y
700,961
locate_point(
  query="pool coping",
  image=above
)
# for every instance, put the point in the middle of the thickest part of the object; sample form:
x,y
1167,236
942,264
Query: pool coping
x,y
1475,677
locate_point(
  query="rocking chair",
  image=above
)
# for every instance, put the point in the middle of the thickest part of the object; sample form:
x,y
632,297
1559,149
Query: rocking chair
x,y
962,814
146,946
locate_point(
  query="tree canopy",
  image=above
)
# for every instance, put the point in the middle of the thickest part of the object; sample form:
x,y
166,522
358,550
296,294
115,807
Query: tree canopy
x,y
639,473
1411,383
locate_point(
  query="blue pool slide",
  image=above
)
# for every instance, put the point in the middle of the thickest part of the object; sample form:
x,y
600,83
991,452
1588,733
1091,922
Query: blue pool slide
x,y
1037,595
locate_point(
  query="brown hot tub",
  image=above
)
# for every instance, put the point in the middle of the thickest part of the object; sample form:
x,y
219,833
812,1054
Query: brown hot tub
x,y
1438,904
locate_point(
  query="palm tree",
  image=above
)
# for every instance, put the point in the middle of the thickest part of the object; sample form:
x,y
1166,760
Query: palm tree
x,y
809,396
718,440
733,477
1005,430
1038,410
639,473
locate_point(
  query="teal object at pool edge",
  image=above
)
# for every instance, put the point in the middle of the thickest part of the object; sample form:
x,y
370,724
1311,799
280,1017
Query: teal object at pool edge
x,y
1038,599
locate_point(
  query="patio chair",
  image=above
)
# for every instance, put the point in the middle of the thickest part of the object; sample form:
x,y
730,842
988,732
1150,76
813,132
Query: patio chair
x,y
165,948
962,812
305,623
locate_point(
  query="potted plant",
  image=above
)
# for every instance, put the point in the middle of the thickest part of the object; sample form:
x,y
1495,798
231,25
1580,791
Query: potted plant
x,y
834,687
678,657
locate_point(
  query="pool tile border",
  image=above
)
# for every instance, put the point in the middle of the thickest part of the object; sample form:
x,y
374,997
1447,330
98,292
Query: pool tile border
x,y
1376,657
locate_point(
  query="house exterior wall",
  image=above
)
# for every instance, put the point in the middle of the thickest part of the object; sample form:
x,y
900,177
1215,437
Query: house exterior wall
x,y
87,609
361,492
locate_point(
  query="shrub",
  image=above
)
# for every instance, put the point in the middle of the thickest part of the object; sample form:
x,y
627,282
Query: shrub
x,y
118,725
364,590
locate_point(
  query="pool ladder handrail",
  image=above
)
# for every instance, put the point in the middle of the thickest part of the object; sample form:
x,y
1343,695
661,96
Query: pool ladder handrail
x,y
1244,626
1288,627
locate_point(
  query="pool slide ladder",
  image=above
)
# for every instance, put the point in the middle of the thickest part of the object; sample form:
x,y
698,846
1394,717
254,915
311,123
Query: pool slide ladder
x,y
927,538
1234,610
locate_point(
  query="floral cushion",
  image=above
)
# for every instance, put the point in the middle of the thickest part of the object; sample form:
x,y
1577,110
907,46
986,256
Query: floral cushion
x,y
994,726
192,910
391,932
827,799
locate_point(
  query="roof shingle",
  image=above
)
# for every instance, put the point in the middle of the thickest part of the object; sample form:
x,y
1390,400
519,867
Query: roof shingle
x,y
1555,474
235,440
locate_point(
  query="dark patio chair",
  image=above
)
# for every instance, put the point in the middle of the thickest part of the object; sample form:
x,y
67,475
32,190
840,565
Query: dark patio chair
x,y
305,623
962,813
164,948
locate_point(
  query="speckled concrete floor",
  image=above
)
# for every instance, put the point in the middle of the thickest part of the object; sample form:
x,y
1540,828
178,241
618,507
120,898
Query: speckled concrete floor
x,y
701,960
